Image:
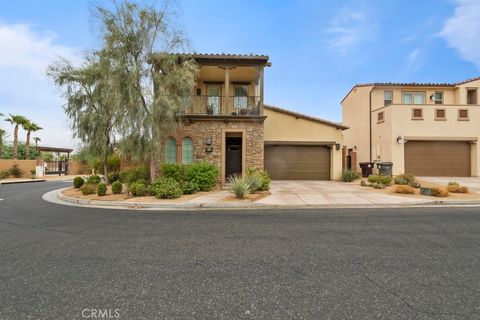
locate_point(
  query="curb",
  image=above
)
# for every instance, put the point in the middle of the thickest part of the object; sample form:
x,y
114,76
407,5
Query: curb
x,y
225,206
22,181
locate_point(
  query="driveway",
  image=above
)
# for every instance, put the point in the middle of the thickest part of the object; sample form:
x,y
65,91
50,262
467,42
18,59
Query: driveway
x,y
396,264
473,183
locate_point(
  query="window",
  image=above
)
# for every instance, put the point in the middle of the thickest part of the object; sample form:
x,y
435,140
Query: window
x,y
440,114
380,117
240,100
417,114
171,150
438,97
413,97
472,96
387,97
463,114
187,151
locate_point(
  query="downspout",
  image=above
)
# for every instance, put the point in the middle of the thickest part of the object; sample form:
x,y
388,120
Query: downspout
x,y
370,122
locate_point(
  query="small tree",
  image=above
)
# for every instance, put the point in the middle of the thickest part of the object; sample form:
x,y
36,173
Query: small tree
x,y
36,140
16,120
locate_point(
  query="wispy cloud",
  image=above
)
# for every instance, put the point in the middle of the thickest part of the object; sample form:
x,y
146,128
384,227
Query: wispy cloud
x,y
462,30
413,59
350,27
25,89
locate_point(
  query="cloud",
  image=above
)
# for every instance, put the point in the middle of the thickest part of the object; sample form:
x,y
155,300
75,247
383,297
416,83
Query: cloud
x,y
25,89
349,28
462,30
413,62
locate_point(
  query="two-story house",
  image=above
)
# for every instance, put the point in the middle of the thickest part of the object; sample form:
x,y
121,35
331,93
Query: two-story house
x,y
229,124
426,129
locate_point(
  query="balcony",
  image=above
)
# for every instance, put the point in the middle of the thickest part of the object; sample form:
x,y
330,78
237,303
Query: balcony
x,y
224,106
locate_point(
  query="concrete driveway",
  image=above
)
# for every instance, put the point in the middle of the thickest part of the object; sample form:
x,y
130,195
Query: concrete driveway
x,y
327,193
473,183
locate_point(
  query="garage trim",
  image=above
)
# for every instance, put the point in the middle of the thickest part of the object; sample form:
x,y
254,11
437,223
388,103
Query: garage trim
x,y
300,143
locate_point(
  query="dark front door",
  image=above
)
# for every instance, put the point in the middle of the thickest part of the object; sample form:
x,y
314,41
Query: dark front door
x,y
233,157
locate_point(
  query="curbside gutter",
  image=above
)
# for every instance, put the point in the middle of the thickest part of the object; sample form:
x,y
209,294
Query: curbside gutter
x,y
22,181
57,197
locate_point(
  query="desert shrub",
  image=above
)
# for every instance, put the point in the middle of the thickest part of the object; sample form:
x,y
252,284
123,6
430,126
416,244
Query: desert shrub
x,y
453,184
114,176
349,175
189,187
166,188
88,189
414,184
203,173
440,192
117,187
239,186
405,189
262,175
138,188
457,188
78,182
403,179
254,181
377,185
4,174
175,171
16,171
131,175
363,183
93,179
113,164
380,179
101,189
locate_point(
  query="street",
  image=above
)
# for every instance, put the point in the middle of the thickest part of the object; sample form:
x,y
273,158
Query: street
x,y
409,263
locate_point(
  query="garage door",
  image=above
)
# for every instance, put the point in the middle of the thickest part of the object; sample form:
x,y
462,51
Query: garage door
x,y
437,158
297,162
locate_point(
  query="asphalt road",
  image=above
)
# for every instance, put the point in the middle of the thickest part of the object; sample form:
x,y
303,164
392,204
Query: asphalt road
x,y
58,261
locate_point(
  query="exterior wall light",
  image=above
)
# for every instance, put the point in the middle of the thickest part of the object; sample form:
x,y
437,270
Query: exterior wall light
x,y
208,141
401,140
337,146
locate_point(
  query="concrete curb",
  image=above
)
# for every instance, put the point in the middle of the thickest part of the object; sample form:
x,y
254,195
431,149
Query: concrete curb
x,y
56,196
22,181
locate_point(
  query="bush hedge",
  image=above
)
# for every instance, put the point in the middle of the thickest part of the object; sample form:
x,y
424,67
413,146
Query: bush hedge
x,y
403,179
375,178
166,188
134,174
202,174
138,188
4,174
88,189
404,189
16,171
117,187
93,179
101,189
78,182
262,176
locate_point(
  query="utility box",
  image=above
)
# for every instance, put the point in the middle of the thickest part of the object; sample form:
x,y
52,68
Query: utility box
x,y
39,171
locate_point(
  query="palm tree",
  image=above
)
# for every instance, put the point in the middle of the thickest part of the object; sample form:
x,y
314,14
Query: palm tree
x,y
37,140
2,135
30,127
16,120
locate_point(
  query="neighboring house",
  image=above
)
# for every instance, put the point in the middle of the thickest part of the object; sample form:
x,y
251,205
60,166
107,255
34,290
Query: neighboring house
x,y
426,129
229,125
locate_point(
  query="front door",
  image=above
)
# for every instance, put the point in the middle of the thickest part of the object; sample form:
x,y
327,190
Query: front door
x,y
213,98
233,156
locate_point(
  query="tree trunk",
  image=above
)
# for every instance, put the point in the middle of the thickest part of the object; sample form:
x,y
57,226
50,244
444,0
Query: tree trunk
x,y
105,168
1,143
27,146
153,167
15,142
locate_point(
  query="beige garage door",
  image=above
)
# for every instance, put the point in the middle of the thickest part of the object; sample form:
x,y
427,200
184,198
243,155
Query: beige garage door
x,y
437,158
297,162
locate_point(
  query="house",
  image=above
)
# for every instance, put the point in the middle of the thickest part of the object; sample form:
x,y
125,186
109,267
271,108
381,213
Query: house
x,y
426,129
229,124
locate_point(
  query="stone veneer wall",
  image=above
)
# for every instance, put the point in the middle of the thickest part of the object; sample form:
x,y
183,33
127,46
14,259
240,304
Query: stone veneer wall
x,y
199,130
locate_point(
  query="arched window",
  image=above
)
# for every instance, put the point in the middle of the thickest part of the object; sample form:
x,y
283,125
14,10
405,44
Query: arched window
x,y
171,150
187,150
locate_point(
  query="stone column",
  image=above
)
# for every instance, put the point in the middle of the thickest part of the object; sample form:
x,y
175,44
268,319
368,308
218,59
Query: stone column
x,y
261,90
226,102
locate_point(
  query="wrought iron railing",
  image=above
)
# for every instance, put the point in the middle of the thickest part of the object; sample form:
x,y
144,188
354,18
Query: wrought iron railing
x,y
219,105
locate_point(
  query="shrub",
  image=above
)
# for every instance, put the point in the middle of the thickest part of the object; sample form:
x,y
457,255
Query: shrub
x,y
113,164
175,171
349,175
4,174
404,189
453,184
117,187
101,189
254,182
403,179
189,187
239,186
131,175
414,184
138,188
78,182
203,173
33,173
93,179
88,189
16,171
166,188
380,179
457,189
377,185
440,192
363,183
114,176
263,176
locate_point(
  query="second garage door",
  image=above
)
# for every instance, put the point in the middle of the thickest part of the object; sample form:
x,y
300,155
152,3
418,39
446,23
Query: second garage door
x,y
438,158
297,162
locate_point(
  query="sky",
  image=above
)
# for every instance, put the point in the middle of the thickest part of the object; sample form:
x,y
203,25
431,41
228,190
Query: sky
x,y
318,49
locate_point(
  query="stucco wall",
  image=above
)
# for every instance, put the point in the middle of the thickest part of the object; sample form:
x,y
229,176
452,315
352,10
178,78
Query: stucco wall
x,y
25,165
283,127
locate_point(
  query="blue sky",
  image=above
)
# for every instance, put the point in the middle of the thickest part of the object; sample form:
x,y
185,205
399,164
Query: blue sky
x,y
319,49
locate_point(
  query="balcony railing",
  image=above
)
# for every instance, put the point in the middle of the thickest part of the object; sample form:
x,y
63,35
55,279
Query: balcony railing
x,y
219,105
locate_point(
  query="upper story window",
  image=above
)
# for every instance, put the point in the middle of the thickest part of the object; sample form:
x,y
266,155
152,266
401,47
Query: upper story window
x,y
438,97
387,97
187,150
472,96
171,150
413,97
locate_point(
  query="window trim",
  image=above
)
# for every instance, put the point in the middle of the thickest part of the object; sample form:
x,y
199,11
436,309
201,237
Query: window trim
x,y
435,97
467,118
385,100
383,117
183,150
437,118
413,114
413,97
167,159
